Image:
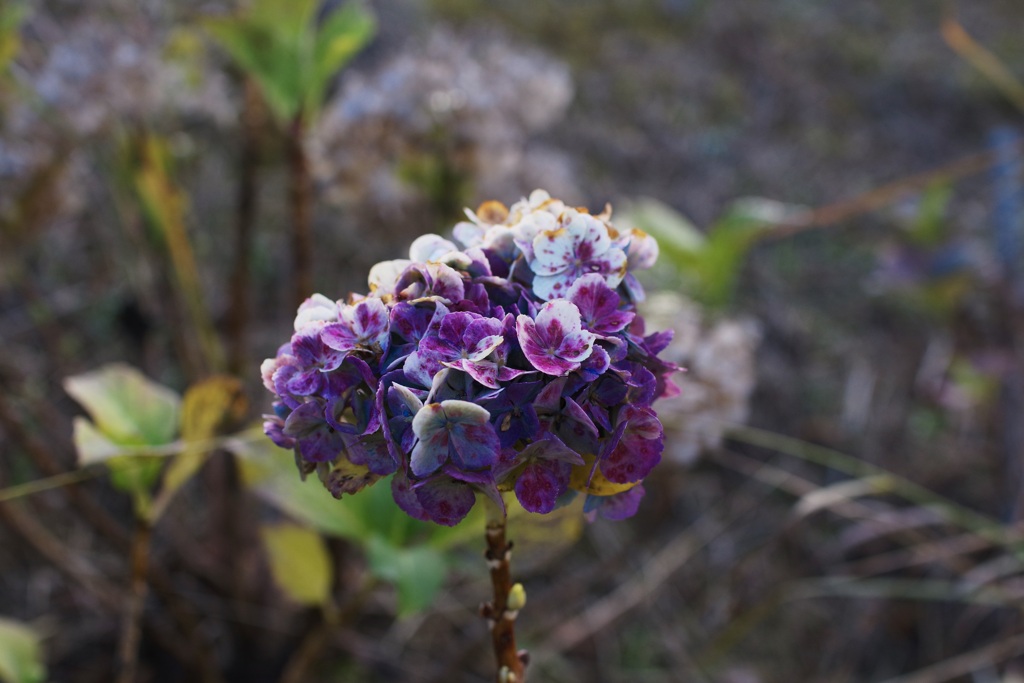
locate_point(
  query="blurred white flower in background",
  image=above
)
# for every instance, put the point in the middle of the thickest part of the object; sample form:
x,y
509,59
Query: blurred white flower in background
x,y
720,373
100,73
77,82
454,114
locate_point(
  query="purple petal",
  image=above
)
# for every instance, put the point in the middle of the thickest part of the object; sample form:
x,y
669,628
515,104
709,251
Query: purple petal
x,y
431,450
474,443
444,501
639,449
540,484
372,452
549,400
482,336
273,427
555,286
305,419
323,445
611,264
446,282
405,497
410,321
642,250
316,309
340,336
597,364
598,304
305,381
370,320
622,505
551,448
555,342
476,446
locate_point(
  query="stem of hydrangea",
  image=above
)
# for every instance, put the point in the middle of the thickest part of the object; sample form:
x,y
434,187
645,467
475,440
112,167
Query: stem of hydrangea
x,y
501,612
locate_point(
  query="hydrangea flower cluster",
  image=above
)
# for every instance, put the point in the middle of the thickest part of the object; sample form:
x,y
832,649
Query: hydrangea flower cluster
x,y
514,363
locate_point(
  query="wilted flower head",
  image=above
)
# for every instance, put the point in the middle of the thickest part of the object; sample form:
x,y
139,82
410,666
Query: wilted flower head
x,y
512,361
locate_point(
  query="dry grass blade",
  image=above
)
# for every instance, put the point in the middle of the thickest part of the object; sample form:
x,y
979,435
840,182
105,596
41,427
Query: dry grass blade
x,y
953,512
656,571
984,61
917,555
965,664
884,195
830,496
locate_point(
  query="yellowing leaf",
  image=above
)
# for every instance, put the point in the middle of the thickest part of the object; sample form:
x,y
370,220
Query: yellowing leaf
x,y
164,203
299,562
127,407
10,21
270,472
91,444
208,407
20,655
586,478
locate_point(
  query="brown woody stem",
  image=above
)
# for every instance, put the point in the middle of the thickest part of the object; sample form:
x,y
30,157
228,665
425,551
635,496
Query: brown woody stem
x,y
131,629
301,201
249,157
502,619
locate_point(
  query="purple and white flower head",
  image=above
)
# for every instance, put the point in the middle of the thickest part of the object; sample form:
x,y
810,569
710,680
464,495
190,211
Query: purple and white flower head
x,y
517,363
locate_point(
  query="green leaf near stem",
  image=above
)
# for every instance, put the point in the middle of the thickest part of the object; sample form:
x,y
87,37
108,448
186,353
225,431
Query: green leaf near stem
x,y
279,44
418,572
21,658
11,16
340,38
126,407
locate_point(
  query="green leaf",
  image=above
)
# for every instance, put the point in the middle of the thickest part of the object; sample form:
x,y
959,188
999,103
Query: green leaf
x,y
11,16
930,225
418,572
730,239
673,230
273,43
341,36
135,474
299,562
128,408
270,472
278,43
21,658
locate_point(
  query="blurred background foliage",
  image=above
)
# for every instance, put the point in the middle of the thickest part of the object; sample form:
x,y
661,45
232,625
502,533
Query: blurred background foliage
x,y
837,192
